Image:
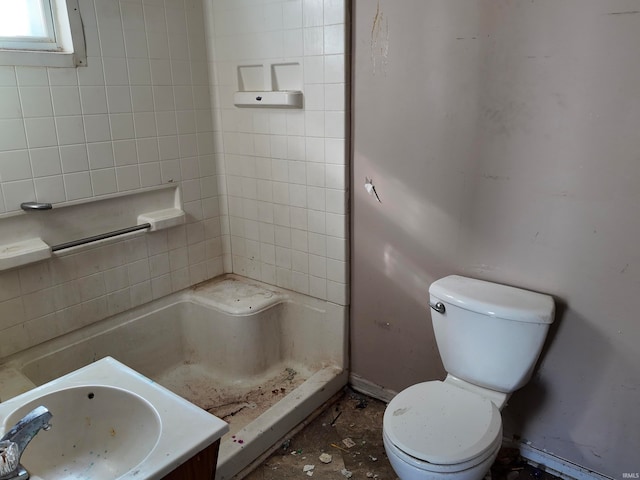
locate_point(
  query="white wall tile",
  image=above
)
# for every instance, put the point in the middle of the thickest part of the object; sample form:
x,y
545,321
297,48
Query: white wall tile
x,y
12,134
36,101
121,126
334,124
334,96
334,12
93,73
135,44
10,101
312,13
119,99
307,148
335,151
14,165
45,161
128,178
139,71
334,39
70,130
40,132
112,42
314,97
62,76
141,110
78,185
32,76
97,128
66,100
334,69
7,76
100,155
292,14
313,38
103,181
74,158
314,67
17,192
93,99
144,124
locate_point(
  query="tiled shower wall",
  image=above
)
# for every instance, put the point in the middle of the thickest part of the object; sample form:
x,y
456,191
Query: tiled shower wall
x,y
285,174
138,116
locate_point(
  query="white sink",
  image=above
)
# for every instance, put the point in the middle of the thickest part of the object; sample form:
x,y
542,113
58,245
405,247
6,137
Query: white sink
x,y
109,422
103,430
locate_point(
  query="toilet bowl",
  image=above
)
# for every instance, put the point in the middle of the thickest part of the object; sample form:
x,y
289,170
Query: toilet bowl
x,y
409,468
434,430
489,337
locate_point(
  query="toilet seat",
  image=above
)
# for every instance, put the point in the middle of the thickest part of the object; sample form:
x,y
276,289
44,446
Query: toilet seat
x,y
395,454
443,425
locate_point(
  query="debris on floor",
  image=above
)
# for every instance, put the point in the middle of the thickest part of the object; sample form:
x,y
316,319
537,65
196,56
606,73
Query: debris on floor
x,y
347,442
325,458
509,465
362,456
339,447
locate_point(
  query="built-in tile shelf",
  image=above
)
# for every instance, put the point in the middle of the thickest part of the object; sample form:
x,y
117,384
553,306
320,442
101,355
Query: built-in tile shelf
x,y
21,253
161,219
37,235
275,85
289,99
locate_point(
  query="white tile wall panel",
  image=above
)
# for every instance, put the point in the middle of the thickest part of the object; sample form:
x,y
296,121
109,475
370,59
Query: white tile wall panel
x,y
138,115
285,171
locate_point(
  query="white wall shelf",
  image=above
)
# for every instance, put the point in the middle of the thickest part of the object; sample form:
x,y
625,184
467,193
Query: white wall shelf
x,y
289,99
21,253
33,236
161,219
274,85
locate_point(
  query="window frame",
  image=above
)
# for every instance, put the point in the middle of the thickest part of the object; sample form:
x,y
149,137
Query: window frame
x,y
70,49
47,41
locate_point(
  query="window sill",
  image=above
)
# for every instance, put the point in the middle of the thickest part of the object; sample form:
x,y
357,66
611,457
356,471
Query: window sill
x,y
41,59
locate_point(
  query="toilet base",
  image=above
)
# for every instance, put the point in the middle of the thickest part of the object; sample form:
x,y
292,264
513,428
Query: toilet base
x,y
410,471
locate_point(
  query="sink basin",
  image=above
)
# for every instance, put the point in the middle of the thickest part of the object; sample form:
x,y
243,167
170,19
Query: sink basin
x,y
110,422
100,431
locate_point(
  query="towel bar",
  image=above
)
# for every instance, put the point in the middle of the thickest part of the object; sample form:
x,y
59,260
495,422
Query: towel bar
x,y
101,236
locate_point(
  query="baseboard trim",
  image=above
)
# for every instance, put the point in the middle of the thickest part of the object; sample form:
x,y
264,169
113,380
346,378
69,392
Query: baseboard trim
x,y
553,464
371,389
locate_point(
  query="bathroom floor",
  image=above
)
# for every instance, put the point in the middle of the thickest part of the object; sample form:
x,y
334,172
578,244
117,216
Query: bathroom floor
x,y
350,431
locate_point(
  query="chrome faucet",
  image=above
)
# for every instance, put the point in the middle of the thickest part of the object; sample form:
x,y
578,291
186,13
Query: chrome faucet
x,y
15,441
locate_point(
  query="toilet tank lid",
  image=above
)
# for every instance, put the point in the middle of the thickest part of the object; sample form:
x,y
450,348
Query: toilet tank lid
x,y
494,300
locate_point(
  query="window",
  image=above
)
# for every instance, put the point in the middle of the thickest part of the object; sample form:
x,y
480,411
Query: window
x,y
41,33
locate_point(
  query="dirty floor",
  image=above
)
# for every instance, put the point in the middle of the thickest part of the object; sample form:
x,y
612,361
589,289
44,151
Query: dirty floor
x,y
348,436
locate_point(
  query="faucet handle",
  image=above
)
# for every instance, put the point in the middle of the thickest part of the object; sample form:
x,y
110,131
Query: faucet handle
x,y
9,457
13,443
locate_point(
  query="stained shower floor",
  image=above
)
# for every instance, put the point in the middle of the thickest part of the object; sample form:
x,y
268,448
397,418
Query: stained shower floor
x,y
358,418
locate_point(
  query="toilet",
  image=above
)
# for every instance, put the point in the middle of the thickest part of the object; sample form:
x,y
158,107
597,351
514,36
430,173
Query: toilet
x,y
489,337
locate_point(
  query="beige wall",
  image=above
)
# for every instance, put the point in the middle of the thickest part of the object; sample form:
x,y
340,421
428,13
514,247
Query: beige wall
x,y
502,138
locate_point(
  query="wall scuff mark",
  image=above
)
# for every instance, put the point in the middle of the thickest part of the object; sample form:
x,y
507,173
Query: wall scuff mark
x,y
632,12
379,42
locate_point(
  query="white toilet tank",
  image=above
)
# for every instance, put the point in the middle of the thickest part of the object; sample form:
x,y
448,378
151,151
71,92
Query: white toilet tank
x,y
489,334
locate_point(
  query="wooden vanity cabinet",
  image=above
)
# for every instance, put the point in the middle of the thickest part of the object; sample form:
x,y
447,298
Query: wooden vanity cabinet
x,y
201,466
